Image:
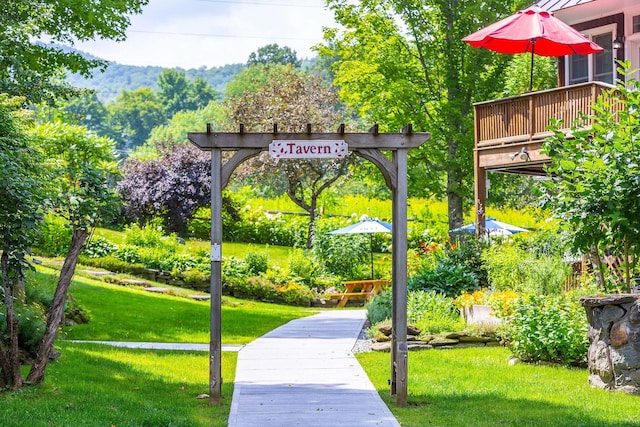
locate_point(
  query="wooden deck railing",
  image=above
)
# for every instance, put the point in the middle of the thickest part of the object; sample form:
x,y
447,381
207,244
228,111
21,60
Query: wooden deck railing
x,y
526,117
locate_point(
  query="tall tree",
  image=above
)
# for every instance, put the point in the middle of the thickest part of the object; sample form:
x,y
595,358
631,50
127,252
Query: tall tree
x,y
21,198
173,186
35,70
274,54
77,166
403,61
179,94
595,191
292,100
134,114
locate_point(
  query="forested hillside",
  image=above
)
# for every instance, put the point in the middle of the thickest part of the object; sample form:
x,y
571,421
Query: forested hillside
x,y
118,77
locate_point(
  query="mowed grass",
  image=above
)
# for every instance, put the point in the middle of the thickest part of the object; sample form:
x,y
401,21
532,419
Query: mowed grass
x,y
133,314
476,387
97,385
276,255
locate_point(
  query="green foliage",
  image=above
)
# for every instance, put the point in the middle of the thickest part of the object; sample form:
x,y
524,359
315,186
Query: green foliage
x,y
31,325
296,294
345,256
549,329
433,312
518,75
595,193
392,89
116,265
274,54
524,269
257,288
379,307
117,78
448,279
54,237
22,192
80,166
32,69
150,235
97,247
134,114
306,269
179,125
257,262
458,269
178,94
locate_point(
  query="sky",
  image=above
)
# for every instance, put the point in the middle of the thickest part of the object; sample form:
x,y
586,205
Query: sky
x,y
213,33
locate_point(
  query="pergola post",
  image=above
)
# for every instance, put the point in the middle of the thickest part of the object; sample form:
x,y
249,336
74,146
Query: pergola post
x,y
399,359
215,342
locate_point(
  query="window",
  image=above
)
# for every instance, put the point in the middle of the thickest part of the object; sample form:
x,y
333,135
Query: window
x,y
636,24
603,61
596,67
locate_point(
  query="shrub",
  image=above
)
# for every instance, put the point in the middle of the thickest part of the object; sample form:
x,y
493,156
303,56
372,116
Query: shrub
x,y
257,262
151,235
128,253
448,279
98,247
75,313
304,267
31,325
346,256
379,307
295,294
548,328
196,278
114,264
234,267
433,312
54,238
256,288
511,267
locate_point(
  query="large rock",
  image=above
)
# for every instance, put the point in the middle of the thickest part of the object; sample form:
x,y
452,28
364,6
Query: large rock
x,y
614,336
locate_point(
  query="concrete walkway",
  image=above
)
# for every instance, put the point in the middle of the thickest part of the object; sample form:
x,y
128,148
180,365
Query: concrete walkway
x,y
304,374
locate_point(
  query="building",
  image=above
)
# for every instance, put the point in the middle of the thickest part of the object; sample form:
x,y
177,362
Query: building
x,y
509,132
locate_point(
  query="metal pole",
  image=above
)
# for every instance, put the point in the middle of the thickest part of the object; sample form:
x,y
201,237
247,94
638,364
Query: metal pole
x,y
215,342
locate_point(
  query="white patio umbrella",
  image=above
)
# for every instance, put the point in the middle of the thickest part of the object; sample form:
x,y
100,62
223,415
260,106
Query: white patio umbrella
x,y
493,227
367,226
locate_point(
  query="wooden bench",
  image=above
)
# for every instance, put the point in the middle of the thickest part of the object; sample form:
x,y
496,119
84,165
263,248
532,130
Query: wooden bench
x,y
359,290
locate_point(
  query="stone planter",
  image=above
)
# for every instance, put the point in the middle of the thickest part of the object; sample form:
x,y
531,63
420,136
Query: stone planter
x,y
614,341
479,314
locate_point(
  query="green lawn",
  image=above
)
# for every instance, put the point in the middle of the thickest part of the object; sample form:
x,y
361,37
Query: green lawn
x,y
476,387
133,314
276,255
98,385
94,385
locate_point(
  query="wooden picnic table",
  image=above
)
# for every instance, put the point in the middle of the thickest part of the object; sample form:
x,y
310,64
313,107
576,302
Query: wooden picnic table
x,y
359,290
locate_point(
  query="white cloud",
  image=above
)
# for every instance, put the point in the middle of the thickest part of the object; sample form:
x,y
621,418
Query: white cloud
x,y
211,33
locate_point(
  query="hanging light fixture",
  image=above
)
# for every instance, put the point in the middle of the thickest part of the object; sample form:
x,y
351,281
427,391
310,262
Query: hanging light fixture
x,y
618,43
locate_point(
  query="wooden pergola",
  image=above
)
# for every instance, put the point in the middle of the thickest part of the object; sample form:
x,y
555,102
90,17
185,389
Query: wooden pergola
x,y
370,146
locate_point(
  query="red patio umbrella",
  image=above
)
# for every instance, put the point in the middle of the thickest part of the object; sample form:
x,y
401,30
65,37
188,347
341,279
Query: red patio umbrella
x,y
532,30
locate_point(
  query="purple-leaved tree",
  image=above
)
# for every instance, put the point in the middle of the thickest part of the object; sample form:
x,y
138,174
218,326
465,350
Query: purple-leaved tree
x,y
172,186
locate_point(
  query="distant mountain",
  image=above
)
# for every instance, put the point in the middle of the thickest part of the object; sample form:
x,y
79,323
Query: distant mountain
x,y
118,77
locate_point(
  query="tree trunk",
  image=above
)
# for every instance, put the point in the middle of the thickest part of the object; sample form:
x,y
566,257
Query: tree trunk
x,y
54,317
312,220
9,352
